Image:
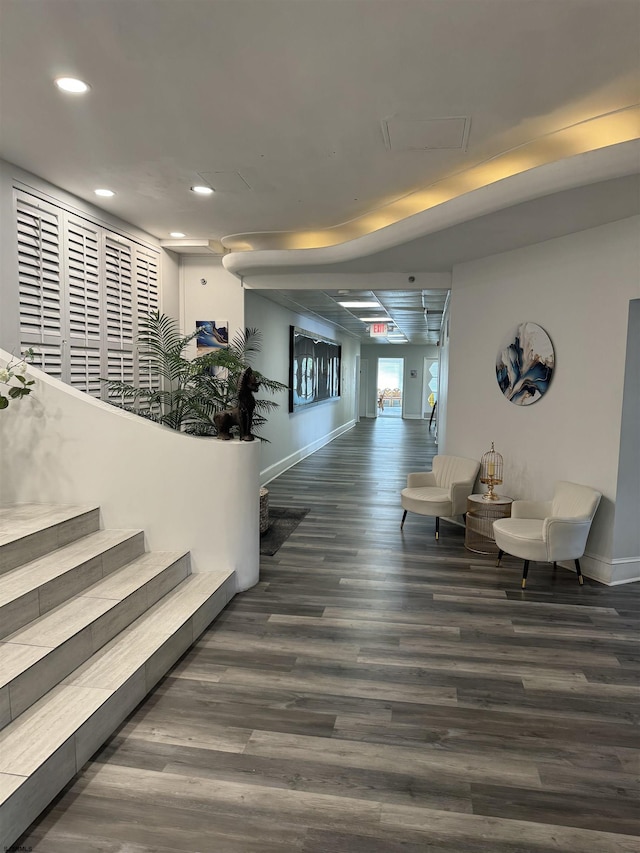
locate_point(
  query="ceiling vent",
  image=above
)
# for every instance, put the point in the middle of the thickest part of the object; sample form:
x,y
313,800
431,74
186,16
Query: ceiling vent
x,y
225,182
417,134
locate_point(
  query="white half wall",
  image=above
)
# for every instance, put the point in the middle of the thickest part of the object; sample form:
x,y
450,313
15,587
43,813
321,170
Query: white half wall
x,y
578,288
293,436
188,494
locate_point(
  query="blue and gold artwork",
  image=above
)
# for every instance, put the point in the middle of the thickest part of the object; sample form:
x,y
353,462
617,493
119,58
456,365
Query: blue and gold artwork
x,y
525,363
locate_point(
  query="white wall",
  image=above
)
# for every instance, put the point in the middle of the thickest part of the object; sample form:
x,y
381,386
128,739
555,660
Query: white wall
x,y
413,357
188,494
626,531
221,297
170,284
292,436
578,288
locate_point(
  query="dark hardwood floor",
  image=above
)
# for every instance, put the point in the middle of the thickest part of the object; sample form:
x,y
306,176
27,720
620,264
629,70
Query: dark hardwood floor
x,y
379,692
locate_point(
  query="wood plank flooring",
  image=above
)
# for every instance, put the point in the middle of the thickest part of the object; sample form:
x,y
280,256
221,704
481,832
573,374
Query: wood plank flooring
x,y
379,692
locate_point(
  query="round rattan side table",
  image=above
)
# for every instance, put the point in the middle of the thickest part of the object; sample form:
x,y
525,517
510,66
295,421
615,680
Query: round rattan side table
x,y
481,514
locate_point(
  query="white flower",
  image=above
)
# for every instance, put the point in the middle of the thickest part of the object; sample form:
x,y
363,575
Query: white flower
x,y
5,375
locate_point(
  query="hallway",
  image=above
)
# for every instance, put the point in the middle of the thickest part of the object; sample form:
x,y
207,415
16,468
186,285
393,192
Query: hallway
x,y
378,692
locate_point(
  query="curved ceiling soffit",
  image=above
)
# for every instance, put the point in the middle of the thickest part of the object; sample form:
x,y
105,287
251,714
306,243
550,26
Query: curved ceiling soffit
x,y
594,150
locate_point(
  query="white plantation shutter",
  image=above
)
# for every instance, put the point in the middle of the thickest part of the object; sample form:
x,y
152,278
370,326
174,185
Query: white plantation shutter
x,y
39,273
119,292
83,280
85,370
48,358
120,367
82,292
147,290
148,302
149,380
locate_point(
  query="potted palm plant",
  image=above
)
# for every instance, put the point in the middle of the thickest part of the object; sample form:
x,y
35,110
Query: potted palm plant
x,y
187,394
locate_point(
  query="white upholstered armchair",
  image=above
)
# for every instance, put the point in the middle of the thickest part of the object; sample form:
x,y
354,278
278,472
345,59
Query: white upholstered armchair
x,y
443,491
549,531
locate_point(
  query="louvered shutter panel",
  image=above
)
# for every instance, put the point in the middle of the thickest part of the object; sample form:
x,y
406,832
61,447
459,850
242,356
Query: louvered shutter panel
x,y
119,313
85,370
147,302
83,280
41,314
119,369
147,292
82,293
149,380
119,292
82,277
47,358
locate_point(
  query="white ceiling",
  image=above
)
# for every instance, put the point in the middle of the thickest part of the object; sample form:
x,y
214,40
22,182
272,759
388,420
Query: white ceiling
x,y
305,114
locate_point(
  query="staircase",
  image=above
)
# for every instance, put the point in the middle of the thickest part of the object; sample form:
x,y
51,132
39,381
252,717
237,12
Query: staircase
x,y
89,623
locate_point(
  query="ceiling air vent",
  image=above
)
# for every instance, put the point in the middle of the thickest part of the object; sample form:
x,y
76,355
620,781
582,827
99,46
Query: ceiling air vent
x,y
426,134
226,182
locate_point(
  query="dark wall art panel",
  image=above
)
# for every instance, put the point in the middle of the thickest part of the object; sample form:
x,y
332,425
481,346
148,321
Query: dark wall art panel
x,y
314,369
525,364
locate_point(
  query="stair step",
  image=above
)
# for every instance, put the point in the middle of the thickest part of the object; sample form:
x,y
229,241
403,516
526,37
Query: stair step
x,y
36,657
27,531
45,746
31,590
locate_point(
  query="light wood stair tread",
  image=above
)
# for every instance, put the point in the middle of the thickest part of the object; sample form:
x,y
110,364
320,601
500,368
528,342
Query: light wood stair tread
x,y
27,742
120,658
20,520
30,576
42,729
27,645
89,622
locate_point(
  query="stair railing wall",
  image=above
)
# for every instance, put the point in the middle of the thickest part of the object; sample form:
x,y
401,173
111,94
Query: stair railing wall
x,y
61,446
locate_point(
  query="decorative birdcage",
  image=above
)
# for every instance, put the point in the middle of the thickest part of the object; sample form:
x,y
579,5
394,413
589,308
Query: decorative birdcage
x,y
491,472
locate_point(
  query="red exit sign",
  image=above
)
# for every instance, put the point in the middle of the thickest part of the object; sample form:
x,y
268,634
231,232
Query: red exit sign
x,y
378,329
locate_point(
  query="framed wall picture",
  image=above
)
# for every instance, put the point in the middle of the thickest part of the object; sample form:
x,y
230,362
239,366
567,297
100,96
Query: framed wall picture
x,y
525,364
314,369
212,335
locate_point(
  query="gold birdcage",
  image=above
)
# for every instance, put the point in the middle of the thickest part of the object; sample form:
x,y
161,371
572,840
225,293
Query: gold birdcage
x,y
491,472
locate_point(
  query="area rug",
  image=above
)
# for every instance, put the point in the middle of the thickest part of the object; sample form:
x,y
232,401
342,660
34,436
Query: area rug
x,y
282,522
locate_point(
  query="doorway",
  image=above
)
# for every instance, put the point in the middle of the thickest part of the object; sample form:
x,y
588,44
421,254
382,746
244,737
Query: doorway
x,y
389,387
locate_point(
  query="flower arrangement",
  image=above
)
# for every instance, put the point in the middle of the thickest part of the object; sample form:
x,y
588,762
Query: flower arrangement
x,y
15,372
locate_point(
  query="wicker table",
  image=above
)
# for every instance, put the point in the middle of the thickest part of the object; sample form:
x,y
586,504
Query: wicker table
x,y
481,514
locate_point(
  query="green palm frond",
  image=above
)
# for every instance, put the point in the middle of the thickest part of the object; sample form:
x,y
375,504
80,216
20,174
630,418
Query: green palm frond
x,y
191,390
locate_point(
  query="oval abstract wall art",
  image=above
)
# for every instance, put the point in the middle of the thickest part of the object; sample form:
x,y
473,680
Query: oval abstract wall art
x,y
524,365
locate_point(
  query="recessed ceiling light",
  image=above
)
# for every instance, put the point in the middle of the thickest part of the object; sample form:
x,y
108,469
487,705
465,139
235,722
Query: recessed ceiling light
x,y
374,319
176,234
202,190
361,305
104,193
72,85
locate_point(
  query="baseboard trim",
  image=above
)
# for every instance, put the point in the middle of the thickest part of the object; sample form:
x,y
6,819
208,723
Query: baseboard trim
x,y
283,465
609,572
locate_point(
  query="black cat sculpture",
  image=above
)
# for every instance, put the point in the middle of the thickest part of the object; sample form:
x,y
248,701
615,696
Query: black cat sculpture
x,y
242,415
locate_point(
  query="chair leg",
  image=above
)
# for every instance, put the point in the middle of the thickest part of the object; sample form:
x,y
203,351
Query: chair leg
x,y
404,515
500,556
555,566
525,572
579,572
437,527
